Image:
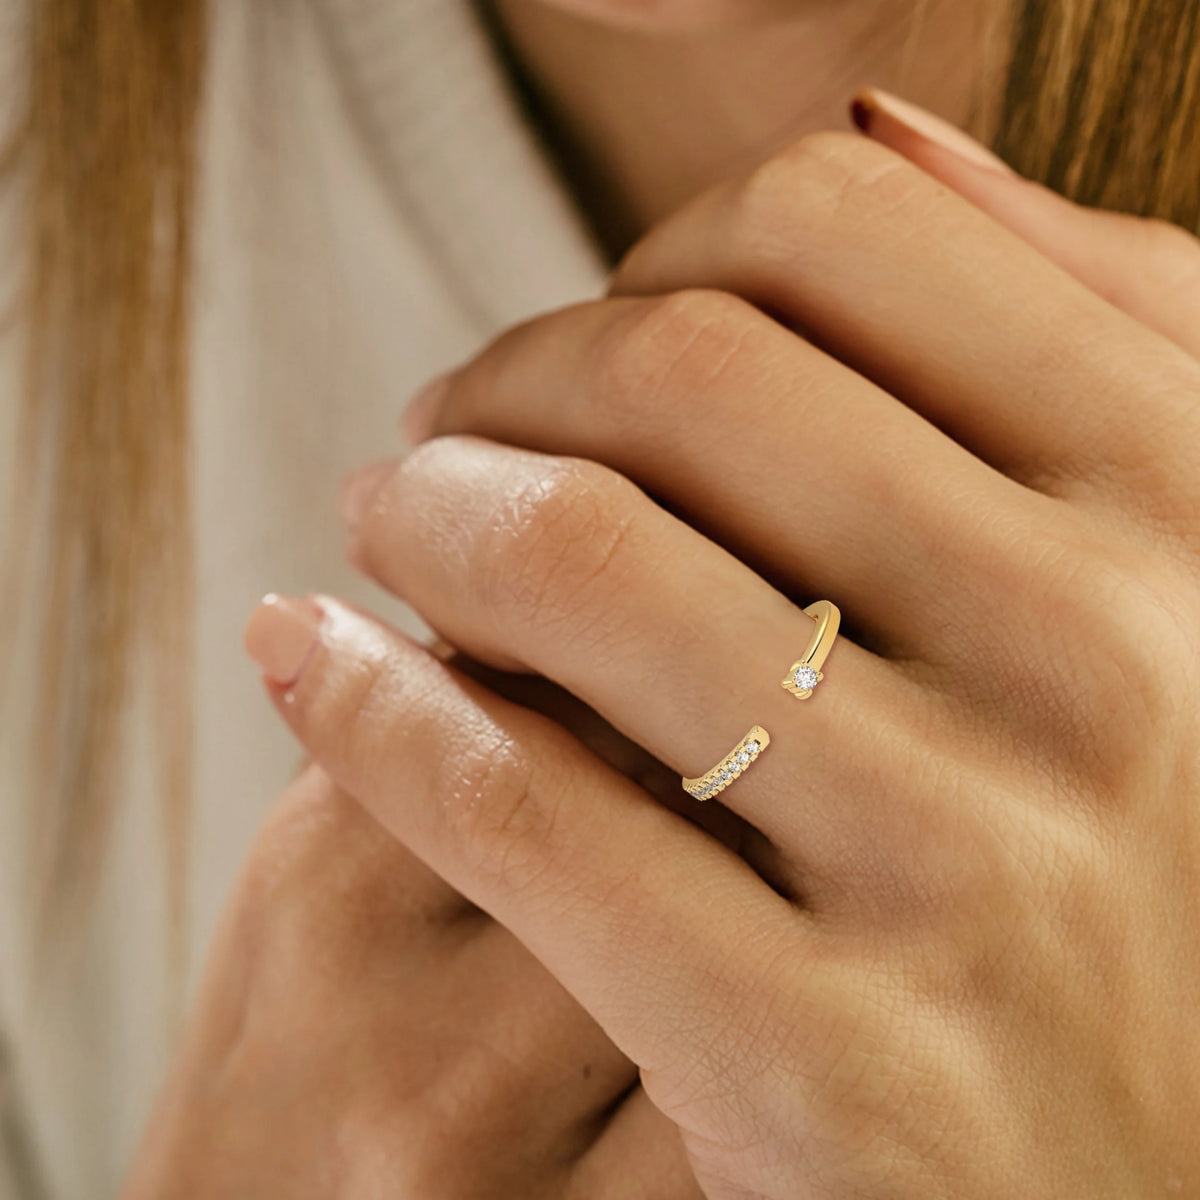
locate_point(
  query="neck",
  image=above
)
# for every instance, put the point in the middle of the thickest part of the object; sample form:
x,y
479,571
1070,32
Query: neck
x,y
643,122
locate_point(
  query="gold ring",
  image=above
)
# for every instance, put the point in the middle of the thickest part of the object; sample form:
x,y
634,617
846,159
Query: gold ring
x,y
730,767
805,673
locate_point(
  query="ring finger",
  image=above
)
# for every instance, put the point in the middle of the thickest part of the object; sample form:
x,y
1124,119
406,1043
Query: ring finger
x,y
561,566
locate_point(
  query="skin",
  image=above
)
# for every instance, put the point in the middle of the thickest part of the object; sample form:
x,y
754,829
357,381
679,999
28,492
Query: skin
x,y
628,98
933,944
364,1027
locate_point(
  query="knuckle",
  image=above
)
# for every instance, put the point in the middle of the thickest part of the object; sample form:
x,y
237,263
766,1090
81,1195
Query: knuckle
x,y
560,553
666,350
320,872
294,841
499,820
274,918
1105,650
816,179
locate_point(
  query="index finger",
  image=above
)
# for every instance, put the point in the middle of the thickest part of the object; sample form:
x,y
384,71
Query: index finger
x,y
662,933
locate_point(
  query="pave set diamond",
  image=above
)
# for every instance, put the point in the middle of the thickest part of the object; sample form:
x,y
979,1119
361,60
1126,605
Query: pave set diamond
x,y
727,770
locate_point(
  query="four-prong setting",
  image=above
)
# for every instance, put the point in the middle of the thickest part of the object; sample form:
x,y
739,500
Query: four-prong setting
x,y
805,673
801,680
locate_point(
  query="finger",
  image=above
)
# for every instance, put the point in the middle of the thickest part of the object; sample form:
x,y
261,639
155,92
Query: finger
x,y
565,568
808,472
966,322
641,916
358,902
532,1054
319,839
1148,268
639,1156
541,695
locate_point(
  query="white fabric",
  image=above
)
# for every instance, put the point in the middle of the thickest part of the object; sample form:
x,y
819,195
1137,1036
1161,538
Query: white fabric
x,y
372,207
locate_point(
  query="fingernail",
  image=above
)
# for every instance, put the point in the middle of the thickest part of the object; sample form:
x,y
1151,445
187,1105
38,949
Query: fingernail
x,y
420,417
440,648
282,634
881,116
359,490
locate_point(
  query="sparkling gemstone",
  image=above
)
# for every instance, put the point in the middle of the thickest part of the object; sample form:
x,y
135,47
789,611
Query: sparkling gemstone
x,y
805,677
751,747
744,757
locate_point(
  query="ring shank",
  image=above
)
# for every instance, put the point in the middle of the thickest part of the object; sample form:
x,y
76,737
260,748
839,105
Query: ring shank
x,y
705,786
828,617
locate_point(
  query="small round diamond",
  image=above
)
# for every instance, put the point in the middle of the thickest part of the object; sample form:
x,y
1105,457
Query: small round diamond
x,y
805,677
752,748
744,757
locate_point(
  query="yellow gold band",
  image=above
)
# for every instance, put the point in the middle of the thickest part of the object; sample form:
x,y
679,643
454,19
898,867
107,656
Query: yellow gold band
x,y
805,673
730,767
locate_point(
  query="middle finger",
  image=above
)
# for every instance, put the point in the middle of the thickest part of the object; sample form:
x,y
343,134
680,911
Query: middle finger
x,y
563,567
823,482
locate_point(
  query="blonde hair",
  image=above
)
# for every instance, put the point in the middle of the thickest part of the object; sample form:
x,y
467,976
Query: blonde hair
x,y
1102,102
108,145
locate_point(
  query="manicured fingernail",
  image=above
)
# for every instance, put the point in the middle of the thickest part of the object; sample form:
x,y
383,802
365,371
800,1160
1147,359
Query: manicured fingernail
x,y
282,634
359,490
420,417
881,115
440,648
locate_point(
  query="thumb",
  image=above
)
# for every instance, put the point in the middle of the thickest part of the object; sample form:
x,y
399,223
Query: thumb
x,y
1147,267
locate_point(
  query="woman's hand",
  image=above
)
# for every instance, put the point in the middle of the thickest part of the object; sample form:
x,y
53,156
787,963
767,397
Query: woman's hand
x,y
960,957
365,1031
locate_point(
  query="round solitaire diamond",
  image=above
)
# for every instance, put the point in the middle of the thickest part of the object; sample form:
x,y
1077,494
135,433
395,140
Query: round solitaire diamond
x,y
806,678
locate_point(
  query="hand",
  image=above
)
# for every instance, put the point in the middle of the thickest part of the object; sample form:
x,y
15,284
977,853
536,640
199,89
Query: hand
x,y
960,959
365,1031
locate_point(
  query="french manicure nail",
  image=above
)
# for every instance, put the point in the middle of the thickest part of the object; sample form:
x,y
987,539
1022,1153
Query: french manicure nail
x,y
359,490
282,634
877,113
420,417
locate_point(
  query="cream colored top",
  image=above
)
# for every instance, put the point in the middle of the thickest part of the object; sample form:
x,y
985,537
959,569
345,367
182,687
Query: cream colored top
x,y
372,207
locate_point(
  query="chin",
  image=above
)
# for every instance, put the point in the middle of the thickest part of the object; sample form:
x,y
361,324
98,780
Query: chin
x,y
679,16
